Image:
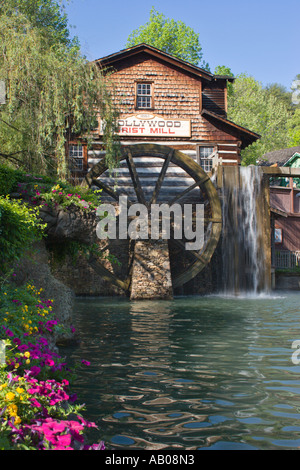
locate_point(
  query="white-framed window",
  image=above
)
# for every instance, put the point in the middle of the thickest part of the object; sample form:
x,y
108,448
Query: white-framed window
x,y
144,99
76,157
205,156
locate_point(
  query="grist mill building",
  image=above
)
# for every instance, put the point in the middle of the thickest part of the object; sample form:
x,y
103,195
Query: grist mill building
x,y
174,132
167,101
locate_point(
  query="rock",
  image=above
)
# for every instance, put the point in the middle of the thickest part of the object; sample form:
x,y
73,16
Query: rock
x,y
34,268
73,224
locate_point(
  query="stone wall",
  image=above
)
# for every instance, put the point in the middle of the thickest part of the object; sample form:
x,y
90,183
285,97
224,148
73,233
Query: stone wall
x,y
151,275
34,268
287,281
79,275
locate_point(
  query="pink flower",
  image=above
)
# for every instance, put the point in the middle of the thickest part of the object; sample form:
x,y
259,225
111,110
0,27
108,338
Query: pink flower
x,y
35,402
49,362
35,370
86,363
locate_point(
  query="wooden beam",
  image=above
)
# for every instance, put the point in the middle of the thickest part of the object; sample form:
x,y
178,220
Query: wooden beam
x,y
161,178
107,275
281,171
190,188
135,179
105,188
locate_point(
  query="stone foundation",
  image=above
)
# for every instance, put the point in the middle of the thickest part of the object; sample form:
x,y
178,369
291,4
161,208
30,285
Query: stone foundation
x,y
151,274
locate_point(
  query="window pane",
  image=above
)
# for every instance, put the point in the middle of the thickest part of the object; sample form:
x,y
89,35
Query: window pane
x,y
76,151
144,101
206,152
206,160
76,157
144,95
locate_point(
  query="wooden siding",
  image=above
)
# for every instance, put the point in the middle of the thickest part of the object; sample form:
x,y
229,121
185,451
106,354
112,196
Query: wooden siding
x,y
148,169
176,95
214,98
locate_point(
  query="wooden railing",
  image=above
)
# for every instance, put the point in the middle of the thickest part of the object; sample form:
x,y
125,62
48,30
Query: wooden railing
x,y
287,259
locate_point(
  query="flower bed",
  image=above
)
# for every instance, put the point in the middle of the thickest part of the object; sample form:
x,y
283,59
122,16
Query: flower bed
x,y
37,408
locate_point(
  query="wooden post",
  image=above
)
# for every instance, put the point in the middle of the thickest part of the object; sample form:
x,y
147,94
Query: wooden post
x,y
265,213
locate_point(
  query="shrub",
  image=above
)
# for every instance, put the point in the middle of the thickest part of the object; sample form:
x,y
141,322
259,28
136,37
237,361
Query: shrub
x,y
19,228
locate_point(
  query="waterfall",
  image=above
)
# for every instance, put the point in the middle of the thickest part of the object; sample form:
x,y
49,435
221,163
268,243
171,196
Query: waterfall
x,y
243,256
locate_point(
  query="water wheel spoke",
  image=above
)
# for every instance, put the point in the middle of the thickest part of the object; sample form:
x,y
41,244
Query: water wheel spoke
x,y
189,189
193,254
135,179
105,188
161,177
106,274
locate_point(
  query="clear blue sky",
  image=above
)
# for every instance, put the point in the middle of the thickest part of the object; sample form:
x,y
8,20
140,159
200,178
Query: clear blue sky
x,y
259,37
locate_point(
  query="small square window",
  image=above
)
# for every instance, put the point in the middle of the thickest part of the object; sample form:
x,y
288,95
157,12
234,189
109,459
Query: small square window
x,y
206,158
76,157
144,96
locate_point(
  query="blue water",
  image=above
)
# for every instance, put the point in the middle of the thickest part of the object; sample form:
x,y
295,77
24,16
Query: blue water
x,y
207,373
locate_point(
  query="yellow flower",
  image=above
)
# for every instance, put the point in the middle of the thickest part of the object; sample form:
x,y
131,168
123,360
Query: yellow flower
x,y
17,420
20,390
3,386
27,354
10,396
12,409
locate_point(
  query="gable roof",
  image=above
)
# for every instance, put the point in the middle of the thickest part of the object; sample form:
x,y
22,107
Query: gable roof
x,y
246,136
278,157
152,51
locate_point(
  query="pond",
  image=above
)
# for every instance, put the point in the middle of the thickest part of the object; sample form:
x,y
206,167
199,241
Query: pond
x,y
207,373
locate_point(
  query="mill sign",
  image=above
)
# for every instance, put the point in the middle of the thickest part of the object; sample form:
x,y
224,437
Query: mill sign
x,y
151,125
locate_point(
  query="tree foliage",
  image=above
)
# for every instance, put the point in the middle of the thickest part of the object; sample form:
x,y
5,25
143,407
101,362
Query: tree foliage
x,y
294,129
47,16
168,35
262,111
52,92
19,228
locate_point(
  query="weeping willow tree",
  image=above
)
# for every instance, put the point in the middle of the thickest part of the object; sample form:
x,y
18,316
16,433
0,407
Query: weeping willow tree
x,y
53,93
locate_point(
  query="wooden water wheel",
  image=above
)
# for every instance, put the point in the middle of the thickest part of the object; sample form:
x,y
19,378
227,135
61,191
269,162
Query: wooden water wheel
x,y
178,179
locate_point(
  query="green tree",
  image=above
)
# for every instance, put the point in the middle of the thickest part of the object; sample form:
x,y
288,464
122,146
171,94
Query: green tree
x,y
46,15
225,71
52,93
281,93
256,108
168,35
294,129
